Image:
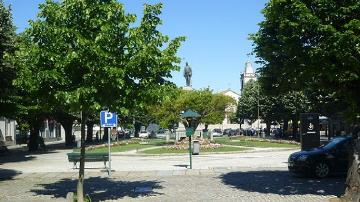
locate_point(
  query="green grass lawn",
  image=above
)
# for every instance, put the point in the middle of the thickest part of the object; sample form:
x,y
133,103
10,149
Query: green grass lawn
x,y
244,141
119,148
164,150
133,145
138,144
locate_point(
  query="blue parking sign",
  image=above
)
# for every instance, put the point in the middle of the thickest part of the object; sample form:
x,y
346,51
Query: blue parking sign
x,y
108,119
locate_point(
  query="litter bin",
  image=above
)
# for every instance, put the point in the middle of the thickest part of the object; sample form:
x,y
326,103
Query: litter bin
x,y
196,147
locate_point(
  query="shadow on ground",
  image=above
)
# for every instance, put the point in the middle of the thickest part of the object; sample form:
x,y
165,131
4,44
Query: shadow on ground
x,y
6,174
21,153
100,188
15,156
283,183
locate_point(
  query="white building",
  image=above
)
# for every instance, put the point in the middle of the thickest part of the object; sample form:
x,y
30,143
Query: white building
x,y
247,75
7,131
232,108
50,129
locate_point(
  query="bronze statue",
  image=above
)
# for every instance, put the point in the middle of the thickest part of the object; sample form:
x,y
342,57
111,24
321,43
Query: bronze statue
x,y
187,74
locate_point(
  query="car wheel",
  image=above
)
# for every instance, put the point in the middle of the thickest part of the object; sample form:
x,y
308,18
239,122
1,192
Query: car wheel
x,y
322,169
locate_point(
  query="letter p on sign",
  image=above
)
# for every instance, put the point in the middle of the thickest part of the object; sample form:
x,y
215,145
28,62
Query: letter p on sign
x,y
108,119
108,116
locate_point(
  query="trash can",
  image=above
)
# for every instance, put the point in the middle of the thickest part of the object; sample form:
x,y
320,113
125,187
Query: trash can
x,y
196,147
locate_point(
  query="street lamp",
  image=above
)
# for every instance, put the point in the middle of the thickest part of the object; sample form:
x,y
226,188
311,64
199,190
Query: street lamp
x,y
190,120
258,106
258,111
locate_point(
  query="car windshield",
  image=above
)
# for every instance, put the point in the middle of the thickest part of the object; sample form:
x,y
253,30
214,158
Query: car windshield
x,y
332,143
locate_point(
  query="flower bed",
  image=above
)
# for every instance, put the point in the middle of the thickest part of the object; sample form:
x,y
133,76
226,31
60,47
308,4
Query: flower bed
x,y
126,142
272,141
204,144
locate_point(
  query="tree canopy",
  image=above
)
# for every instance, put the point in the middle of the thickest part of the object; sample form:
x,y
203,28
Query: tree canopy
x,y
311,44
212,107
254,104
83,55
7,71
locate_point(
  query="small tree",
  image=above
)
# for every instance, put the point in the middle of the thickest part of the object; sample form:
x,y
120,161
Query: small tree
x,y
81,55
210,106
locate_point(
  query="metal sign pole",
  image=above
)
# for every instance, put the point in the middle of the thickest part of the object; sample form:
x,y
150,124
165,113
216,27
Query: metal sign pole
x,y
190,152
109,151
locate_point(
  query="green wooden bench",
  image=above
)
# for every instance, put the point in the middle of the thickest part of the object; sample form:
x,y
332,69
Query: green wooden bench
x,y
89,157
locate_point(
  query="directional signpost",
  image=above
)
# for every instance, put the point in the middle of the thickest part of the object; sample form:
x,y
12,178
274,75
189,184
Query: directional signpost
x,y
108,119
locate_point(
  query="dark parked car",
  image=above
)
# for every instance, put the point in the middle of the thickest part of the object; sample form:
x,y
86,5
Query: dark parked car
x,y
227,131
249,132
332,157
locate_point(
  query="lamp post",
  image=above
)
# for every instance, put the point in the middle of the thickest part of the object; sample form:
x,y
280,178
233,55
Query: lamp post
x,y
190,120
239,119
258,106
258,112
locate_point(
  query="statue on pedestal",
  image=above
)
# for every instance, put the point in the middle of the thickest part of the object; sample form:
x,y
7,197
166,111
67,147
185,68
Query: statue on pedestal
x,y
187,74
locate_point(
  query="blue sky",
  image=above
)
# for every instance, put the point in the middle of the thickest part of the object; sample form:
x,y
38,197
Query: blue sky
x,y
216,32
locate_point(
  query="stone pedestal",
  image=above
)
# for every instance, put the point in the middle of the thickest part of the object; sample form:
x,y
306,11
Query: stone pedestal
x,y
188,88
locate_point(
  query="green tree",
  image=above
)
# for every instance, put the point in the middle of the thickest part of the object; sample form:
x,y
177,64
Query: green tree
x,y
212,107
312,45
248,102
166,113
82,55
7,71
280,108
253,105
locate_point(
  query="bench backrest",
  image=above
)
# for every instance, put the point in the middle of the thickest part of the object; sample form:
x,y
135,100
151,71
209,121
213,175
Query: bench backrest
x,y
88,156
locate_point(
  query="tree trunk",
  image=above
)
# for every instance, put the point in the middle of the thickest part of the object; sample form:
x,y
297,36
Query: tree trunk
x,y
268,125
80,185
89,135
69,140
352,192
137,129
33,144
67,122
295,126
286,127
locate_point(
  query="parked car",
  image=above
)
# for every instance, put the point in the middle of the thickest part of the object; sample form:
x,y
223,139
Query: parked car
x,y
144,134
249,132
22,138
161,133
332,157
216,132
227,131
234,132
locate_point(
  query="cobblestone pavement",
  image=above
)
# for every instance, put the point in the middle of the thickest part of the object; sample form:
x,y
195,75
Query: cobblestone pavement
x,y
220,184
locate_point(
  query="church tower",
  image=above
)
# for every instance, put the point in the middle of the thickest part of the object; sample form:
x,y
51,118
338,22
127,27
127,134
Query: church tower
x,y
247,75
